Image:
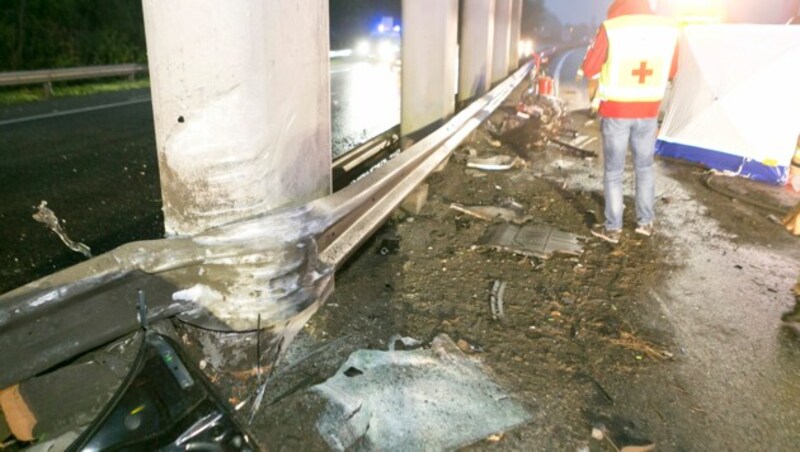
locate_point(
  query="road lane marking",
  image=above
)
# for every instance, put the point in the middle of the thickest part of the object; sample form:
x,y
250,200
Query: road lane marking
x,y
56,114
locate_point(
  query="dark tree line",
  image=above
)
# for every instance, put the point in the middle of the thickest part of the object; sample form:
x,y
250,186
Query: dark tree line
x,y
533,15
39,34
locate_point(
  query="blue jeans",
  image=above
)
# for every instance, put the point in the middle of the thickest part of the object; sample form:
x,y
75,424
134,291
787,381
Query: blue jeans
x,y
617,134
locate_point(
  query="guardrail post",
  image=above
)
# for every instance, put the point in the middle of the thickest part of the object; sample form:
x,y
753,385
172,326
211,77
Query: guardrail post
x,y
502,40
241,101
430,43
48,89
516,31
477,35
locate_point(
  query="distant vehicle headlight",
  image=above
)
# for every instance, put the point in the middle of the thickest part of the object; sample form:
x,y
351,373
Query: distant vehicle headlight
x,y
525,48
362,48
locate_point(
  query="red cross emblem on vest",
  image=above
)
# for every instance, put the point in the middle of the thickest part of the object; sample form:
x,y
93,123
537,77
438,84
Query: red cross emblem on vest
x,y
643,72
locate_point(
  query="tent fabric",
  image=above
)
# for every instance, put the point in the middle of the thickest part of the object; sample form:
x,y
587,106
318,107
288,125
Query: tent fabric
x,y
735,104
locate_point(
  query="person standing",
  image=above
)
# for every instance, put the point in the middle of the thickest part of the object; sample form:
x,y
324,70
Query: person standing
x,y
635,54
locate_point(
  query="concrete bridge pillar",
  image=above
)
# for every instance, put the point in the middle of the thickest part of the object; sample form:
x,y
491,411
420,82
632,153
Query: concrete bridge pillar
x,y
430,43
477,36
516,31
241,100
502,40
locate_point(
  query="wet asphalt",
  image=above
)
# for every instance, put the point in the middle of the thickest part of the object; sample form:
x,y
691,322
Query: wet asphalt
x,y
739,368
93,159
735,384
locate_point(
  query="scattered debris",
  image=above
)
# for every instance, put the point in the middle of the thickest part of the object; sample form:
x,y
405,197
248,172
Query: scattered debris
x,y
496,299
466,347
47,217
631,342
389,245
548,109
774,219
406,341
621,434
464,153
534,240
709,180
529,125
495,438
454,403
492,213
140,383
494,163
494,143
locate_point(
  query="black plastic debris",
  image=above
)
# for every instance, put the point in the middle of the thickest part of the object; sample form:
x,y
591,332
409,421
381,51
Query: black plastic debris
x,y
164,404
389,245
534,240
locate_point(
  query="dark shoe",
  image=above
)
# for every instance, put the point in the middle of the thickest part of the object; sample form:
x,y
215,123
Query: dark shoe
x,y
609,236
646,230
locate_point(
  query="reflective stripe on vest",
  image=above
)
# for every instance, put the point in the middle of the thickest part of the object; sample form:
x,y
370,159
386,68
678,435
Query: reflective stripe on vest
x,y
640,50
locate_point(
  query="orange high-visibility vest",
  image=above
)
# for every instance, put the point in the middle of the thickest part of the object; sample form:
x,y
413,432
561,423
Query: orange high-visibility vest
x,y
640,50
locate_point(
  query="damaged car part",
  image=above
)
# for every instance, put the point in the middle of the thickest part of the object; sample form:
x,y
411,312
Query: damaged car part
x,y
496,299
164,404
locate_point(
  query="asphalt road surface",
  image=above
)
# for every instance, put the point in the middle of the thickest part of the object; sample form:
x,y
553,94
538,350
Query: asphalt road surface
x,y
365,101
93,160
564,69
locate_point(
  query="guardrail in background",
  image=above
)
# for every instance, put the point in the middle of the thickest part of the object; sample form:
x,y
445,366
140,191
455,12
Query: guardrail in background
x,y
47,76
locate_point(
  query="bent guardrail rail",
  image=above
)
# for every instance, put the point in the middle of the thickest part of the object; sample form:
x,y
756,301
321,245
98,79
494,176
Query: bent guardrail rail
x,y
275,269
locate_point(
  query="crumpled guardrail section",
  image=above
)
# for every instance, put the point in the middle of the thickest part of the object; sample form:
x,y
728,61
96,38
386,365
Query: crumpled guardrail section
x,y
277,267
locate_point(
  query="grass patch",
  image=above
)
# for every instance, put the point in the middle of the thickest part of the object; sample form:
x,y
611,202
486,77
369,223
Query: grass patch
x,y
34,93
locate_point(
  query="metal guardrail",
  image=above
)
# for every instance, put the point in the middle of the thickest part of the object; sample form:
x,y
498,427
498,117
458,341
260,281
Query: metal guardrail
x,y
353,164
290,255
48,76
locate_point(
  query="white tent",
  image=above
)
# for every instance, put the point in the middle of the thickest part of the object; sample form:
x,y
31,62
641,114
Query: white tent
x,y
735,104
